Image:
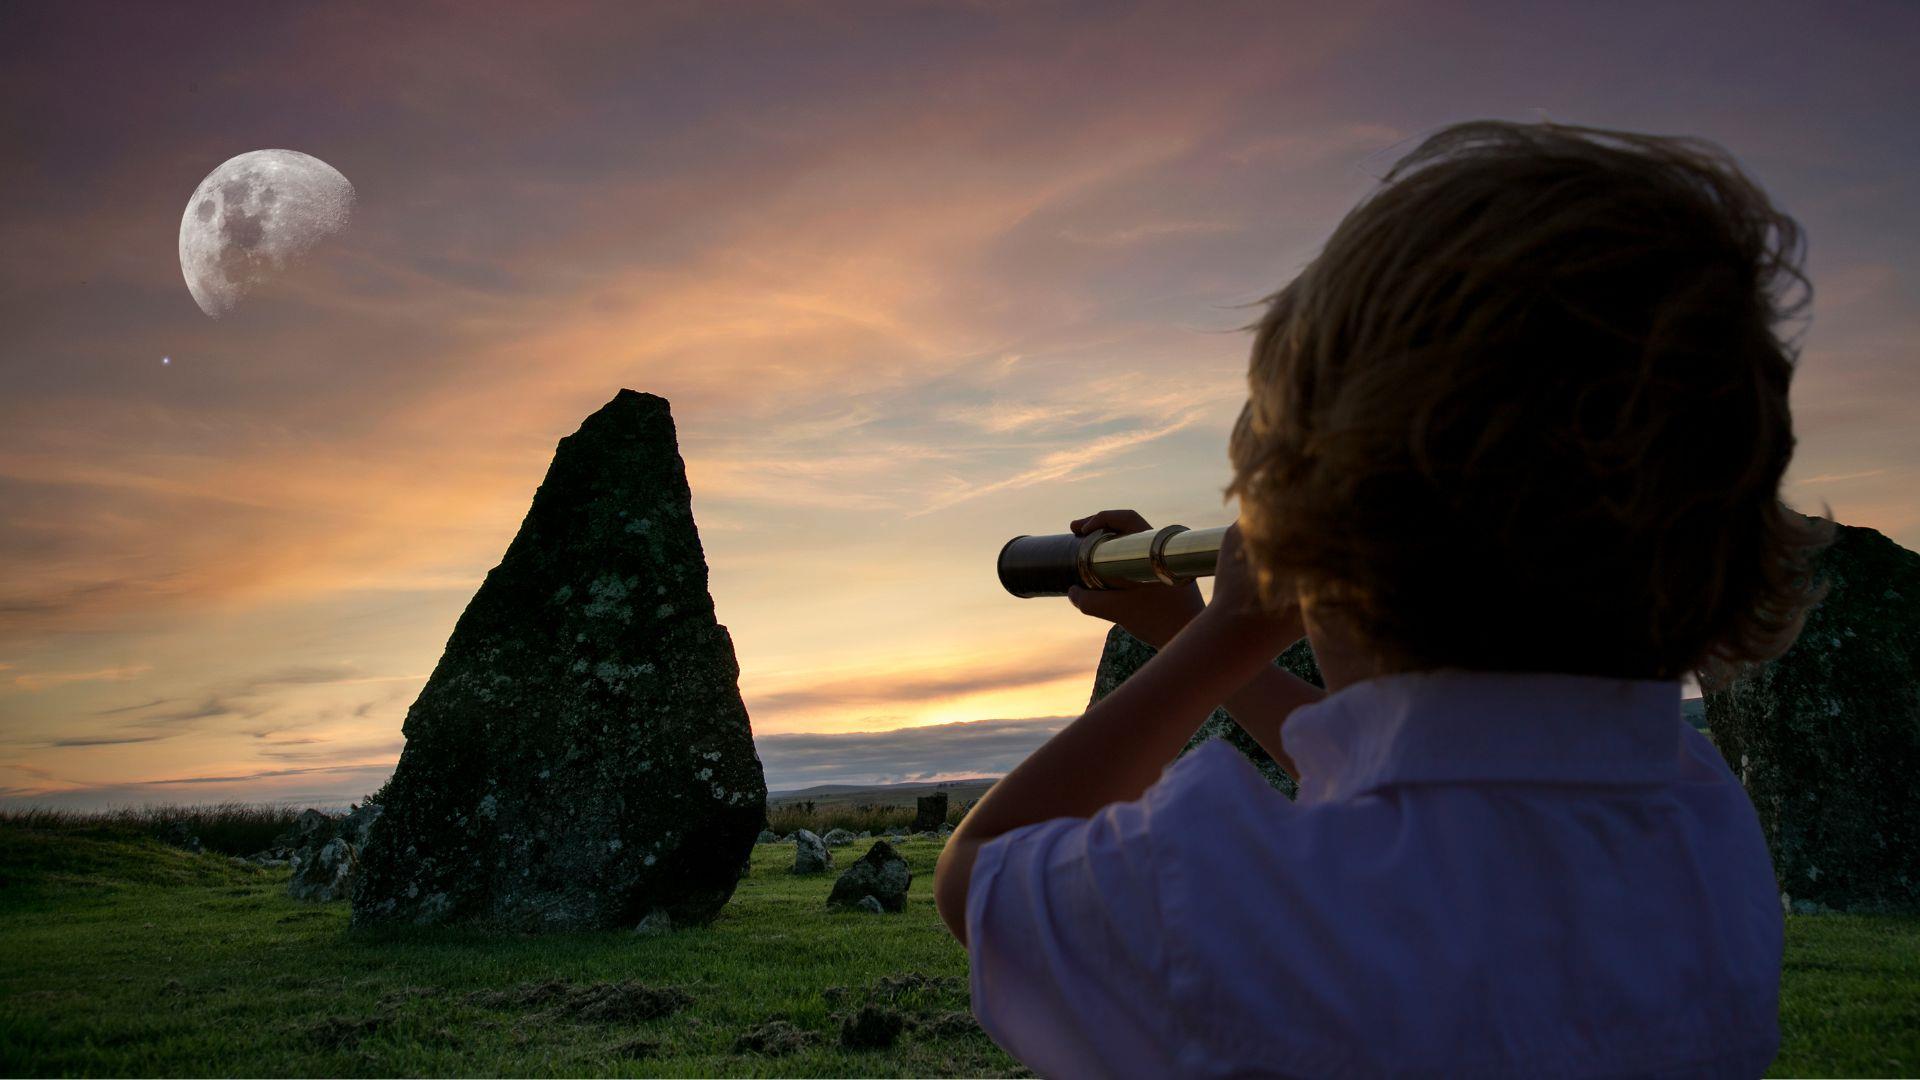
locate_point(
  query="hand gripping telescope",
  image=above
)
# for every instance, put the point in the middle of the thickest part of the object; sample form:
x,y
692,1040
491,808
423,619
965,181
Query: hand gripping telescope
x,y
1049,565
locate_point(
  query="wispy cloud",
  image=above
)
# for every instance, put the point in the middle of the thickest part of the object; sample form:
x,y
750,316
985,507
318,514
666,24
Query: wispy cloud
x,y
49,679
1061,465
1835,478
881,687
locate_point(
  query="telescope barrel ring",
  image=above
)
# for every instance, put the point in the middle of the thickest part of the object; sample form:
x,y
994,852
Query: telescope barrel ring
x,y
1157,555
1083,558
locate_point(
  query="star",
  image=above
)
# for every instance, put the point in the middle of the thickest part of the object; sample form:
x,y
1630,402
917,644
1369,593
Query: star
x,y
166,360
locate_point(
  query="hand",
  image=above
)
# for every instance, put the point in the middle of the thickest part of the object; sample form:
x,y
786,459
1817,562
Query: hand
x,y
1236,600
1152,613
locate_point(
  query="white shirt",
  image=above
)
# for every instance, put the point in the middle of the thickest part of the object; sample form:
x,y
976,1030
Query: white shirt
x,y
1484,874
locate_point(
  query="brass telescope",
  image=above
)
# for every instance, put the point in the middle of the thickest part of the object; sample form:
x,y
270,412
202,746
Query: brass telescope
x,y
1049,565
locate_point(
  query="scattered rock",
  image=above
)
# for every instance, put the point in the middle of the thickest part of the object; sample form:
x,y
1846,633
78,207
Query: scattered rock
x,y
1125,654
359,823
656,922
865,834
881,875
774,1038
326,874
871,1028
930,812
945,830
767,836
837,838
810,854
896,832
306,830
1827,738
580,752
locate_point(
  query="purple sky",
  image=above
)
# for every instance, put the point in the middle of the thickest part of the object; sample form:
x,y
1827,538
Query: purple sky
x,y
916,277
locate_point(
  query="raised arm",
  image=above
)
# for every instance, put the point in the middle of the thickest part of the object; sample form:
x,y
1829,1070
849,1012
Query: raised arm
x,y
1117,749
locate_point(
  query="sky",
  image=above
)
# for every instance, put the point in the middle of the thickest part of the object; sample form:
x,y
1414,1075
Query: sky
x,y
916,277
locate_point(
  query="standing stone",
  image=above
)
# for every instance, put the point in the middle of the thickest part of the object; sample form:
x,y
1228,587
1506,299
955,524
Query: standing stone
x,y
1125,654
930,812
881,874
580,757
1827,738
810,854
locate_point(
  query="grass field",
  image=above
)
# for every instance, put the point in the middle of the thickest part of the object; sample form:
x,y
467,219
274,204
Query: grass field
x,y
127,957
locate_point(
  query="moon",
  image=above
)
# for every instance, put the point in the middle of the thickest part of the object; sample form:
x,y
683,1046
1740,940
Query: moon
x,y
253,215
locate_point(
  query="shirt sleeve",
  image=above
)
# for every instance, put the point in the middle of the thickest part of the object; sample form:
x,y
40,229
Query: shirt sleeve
x,y
1067,935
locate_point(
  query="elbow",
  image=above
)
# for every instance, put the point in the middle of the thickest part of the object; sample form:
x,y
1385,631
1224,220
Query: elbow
x,y
950,876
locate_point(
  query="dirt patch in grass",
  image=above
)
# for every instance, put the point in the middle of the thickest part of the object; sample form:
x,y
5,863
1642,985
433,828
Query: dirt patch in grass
x,y
598,1003
774,1038
873,1027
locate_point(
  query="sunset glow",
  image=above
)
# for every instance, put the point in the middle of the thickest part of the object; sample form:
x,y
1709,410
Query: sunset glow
x,y
915,279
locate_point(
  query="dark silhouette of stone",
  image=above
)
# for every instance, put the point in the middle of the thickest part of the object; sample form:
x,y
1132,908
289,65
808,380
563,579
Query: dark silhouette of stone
x,y
1125,654
881,874
930,812
580,757
1827,738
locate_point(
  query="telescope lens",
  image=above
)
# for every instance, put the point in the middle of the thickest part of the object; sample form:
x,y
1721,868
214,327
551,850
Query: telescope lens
x,y
1040,565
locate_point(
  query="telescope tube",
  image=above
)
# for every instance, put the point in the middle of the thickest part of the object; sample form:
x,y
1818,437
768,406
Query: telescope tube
x,y
1049,565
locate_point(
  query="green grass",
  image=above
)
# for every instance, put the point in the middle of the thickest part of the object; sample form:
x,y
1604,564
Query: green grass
x,y
127,957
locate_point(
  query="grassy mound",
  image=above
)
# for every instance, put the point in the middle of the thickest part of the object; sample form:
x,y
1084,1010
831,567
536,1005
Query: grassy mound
x,y
128,957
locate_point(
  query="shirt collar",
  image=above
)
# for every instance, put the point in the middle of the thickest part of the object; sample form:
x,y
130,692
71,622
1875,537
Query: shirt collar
x,y
1451,727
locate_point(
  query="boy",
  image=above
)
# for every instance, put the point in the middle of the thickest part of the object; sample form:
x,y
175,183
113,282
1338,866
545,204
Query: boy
x,y
1510,462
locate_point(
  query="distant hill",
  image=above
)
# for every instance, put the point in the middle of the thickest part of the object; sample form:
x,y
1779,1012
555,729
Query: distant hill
x,y
825,795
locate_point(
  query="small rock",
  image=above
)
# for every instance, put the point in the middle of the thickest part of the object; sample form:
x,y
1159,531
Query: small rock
x,y
358,824
656,922
880,874
896,832
870,904
865,834
837,838
327,875
929,811
767,836
810,854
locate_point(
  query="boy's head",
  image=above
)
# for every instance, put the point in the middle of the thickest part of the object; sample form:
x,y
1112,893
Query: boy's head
x,y
1527,410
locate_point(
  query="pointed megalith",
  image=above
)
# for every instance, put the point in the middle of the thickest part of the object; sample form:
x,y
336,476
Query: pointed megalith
x,y
1125,654
580,757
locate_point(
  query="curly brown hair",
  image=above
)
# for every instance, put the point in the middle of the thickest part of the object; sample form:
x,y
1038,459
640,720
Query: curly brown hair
x,y
1527,411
